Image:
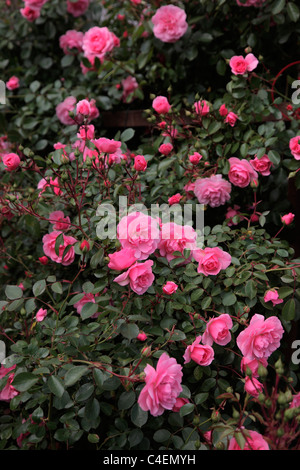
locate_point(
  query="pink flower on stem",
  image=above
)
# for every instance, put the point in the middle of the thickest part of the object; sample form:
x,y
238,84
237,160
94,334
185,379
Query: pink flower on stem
x,y
223,110
59,220
13,83
262,165
231,118
139,276
71,41
41,314
176,237
122,259
142,336
11,161
202,354
240,65
272,296
169,288
294,145
105,145
165,149
174,199
202,107
211,260
255,441
63,257
169,23
161,105
253,386
241,172
218,330
87,298
213,191
78,8
179,403
195,158
140,163
287,219
8,392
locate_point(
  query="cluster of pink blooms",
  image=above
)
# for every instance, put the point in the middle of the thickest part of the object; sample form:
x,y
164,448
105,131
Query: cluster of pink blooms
x,y
32,8
141,235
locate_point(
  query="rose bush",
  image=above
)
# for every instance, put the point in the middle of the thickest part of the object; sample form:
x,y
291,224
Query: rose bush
x,y
150,278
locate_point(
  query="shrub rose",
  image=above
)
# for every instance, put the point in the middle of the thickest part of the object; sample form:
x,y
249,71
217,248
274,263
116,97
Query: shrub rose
x,y
8,392
11,161
213,191
165,149
13,83
122,259
272,296
287,219
262,165
87,298
63,109
231,118
140,232
140,163
175,199
169,23
61,223
176,237
49,248
139,276
78,7
251,3
253,386
223,110
211,260
255,441
161,104
129,85
241,173
169,288
40,315
294,145
218,330
179,403
261,338
201,107
97,42
71,41
163,386
202,354
105,145
253,365
240,65
195,158
233,212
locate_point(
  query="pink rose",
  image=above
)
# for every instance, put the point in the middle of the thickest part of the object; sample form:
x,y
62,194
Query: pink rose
x,y
262,165
139,232
240,65
83,107
195,158
122,259
202,354
272,296
142,336
217,330
44,260
295,401
77,8
211,260
161,105
59,220
174,199
71,41
253,365
288,218
43,184
241,173
165,149
8,392
169,288
129,85
140,163
261,338
40,315
231,118
87,298
97,42
13,83
253,386
223,110
163,386
30,14
11,161
233,212
201,107
213,191
63,109
255,441
251,3
179,403
169,23
38,4
49,248
107,145
139,276
86,132
176,237
295,147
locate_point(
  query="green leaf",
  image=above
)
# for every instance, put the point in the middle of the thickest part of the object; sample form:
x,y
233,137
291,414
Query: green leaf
x,y
56,386
278,6
126,400
127,134
74,374
13,292
138,416
129,330
89,309
186,409
24,381
161,435
229,298
39,287
293,11
289,309
59,241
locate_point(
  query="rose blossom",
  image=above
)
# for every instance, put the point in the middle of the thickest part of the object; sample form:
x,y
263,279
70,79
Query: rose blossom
x,y
272,296
233,212
211,260
295,403
122,259
213,191
105,145
217,330
195,158
179,403
251,3
44,260
71,40
139,276
176,237
261,338
30,14
87,298
202,354
59,220
49,248
169,23
253,386
294,145
253,365
262,165
13,83
231,118
223,110
169,288
86,132
163,386
165,149
8,392
77,8
241,173
129,85
175,199
288,218
240,65
140,232
255,441
201,107
140,163
11,161
97,42
40,315
161,105
63,109
43,184
83,107
38,4
142,336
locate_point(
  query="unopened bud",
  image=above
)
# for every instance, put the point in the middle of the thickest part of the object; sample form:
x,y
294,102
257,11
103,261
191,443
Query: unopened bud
x,y
262,371
220,445
85,246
